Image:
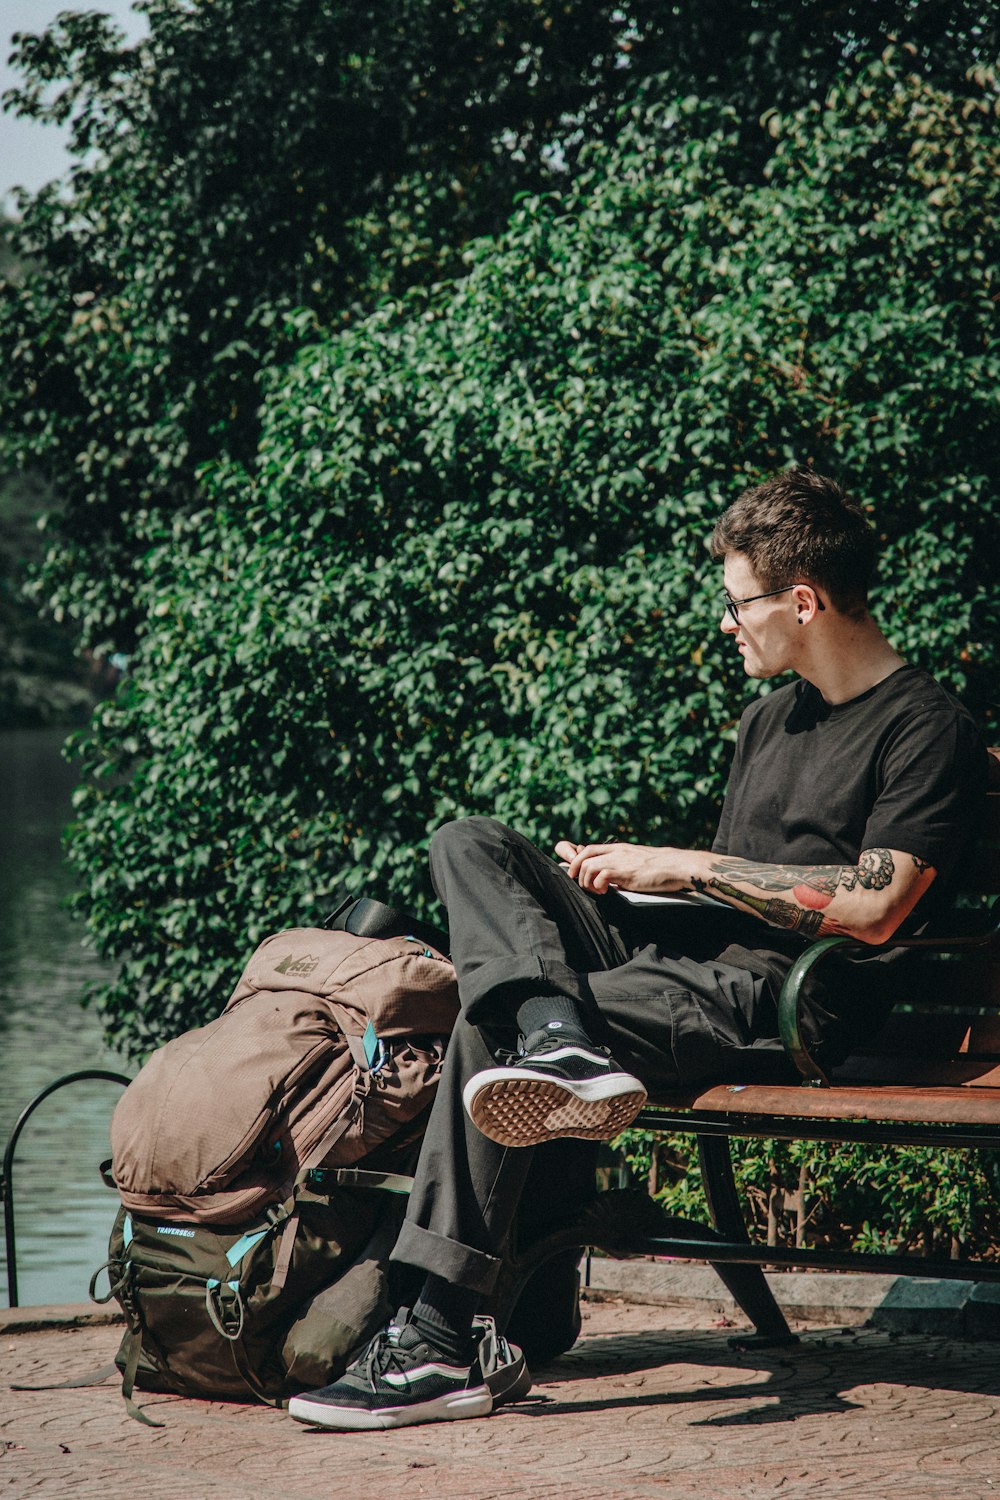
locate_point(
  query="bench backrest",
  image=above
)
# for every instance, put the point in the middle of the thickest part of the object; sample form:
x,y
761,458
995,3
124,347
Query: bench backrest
x,y
982,876
949,1010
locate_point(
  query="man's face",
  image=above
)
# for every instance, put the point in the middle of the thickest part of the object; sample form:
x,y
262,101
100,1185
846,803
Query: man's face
x,y
765,635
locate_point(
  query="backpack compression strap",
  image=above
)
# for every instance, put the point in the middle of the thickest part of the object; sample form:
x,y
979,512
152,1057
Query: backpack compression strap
x,y
321,1179
128,1379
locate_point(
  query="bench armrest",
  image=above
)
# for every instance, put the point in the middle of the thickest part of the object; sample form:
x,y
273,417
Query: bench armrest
x,y
789,1009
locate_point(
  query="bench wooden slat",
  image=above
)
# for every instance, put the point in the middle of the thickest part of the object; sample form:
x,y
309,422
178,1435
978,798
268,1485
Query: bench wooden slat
x,y
971,1097
983,1039
982,871
916,1072
933,1035
941,982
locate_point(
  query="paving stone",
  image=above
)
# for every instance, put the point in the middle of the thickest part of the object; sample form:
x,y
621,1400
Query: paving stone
x,y
981,1314
826,1298
917,1304
652,1401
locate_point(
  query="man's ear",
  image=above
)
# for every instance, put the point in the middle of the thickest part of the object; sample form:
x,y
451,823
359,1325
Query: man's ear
x,y
808,603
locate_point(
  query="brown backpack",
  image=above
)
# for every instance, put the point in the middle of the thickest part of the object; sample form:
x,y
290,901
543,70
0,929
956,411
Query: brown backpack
x,y
329,1044
249,1252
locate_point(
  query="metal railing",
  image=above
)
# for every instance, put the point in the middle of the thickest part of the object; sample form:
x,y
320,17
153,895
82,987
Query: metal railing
x,y
7,1171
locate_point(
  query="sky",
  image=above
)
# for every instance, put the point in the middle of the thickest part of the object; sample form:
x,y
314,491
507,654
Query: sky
x,y
32,154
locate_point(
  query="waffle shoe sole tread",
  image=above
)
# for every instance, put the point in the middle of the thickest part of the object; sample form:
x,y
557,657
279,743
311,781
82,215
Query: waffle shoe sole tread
x,y
517,1107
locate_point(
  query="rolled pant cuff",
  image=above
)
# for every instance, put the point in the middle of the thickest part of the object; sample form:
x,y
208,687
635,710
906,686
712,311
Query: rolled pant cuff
x,y
448,1258
482,988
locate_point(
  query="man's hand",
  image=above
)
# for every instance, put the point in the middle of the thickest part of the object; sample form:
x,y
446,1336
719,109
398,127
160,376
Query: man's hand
x,y
630,867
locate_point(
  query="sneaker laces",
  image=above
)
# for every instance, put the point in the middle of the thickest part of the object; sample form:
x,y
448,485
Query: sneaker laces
x,y
386,1352
382,1354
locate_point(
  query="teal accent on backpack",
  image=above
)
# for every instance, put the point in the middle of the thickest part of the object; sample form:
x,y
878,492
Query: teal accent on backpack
x,y
236,1252
370,1043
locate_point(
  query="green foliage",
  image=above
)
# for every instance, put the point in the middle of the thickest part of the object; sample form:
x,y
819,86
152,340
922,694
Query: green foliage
x,y
897,1199
41,680
254,156
467,573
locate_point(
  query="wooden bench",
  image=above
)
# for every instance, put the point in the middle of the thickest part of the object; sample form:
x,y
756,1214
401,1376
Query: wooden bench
x,y
930,1078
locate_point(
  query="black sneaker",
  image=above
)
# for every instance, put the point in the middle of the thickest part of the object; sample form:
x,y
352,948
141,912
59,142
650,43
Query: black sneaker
x,y
399,1380
551,1089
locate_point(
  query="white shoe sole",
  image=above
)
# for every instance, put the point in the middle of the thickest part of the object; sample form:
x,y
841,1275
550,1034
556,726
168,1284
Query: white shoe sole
x,y
458,1404
516,1107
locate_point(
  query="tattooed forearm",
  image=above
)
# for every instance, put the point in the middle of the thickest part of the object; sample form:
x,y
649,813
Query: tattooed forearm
x,y
813,885
865,902
821,878
781,913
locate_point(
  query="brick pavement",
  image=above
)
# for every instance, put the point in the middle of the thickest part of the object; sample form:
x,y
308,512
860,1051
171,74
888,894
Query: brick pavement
x,y
653,1401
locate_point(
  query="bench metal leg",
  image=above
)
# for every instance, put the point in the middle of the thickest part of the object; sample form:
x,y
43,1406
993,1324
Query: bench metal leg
x,y
747,1284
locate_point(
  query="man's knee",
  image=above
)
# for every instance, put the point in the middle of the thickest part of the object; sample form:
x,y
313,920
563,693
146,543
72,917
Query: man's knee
x,y
463,834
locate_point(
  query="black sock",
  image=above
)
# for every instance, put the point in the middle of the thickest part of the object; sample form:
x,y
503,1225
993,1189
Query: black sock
x,y
443,1315
556,1014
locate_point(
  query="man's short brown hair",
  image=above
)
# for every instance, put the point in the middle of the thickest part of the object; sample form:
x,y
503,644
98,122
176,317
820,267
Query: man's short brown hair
x,y
800,527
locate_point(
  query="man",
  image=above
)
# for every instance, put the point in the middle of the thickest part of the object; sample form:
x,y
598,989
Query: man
x,y
853,798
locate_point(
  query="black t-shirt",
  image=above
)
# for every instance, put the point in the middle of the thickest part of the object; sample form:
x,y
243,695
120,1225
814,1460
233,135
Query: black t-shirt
x,y
900,767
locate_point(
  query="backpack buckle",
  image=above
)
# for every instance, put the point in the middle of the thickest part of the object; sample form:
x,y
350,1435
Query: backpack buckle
x,y
225,1307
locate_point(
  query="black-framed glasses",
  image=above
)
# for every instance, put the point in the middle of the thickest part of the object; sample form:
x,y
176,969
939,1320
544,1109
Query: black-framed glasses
x,y
733,606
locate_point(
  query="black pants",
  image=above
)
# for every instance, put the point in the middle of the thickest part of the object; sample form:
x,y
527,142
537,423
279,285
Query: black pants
x,y
648,988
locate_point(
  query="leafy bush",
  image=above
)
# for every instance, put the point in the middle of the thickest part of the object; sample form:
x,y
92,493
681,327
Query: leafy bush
x,y
466,571
42,681
913,1199
254,156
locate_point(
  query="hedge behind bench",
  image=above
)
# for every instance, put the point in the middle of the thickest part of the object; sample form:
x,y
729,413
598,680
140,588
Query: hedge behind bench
x,y
467,572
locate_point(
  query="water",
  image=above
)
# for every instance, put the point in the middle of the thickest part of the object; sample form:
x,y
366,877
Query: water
x,y
63,1211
